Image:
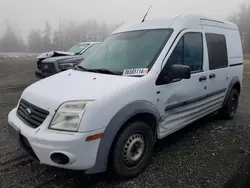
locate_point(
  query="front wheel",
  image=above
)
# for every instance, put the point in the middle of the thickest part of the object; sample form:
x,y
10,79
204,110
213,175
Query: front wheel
x,y
132,150
230,109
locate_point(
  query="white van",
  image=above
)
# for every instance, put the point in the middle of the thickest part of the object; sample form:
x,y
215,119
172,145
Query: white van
x,y
144,82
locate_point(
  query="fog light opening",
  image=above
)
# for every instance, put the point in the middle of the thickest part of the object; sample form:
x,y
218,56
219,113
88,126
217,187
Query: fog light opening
x,y
60,158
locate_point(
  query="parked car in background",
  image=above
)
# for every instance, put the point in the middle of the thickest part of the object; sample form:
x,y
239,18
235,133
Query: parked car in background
x,y
72,51
53,65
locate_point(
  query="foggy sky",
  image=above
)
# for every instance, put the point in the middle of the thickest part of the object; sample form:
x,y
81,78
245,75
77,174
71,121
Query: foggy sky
x,y
29,14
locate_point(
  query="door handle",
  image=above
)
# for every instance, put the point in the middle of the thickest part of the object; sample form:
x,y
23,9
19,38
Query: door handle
x,y
212,76
202,78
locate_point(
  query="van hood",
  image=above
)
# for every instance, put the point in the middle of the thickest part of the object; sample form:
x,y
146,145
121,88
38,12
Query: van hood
x,y
51,92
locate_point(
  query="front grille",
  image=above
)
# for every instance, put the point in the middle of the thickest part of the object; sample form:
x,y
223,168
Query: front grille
x,y
30,114
26,145
39,61
48,68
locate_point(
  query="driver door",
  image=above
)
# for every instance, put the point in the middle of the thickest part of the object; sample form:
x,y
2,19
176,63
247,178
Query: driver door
x,y
183,101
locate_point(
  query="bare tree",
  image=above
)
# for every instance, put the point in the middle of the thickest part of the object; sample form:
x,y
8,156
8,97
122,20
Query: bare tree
x,y
64,37
241,18
70,33
10,41
46,38
35,41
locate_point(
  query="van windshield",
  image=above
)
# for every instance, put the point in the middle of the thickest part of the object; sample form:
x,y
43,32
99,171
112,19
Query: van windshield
x,y
128,50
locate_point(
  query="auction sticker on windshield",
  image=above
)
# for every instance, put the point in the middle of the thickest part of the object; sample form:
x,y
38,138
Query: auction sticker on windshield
x,y
135,72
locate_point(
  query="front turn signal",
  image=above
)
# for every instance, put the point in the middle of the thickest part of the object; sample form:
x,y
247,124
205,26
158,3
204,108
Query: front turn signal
x,y
94,137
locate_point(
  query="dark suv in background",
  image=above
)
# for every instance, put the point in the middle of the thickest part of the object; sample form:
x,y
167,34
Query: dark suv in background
x,y
54,62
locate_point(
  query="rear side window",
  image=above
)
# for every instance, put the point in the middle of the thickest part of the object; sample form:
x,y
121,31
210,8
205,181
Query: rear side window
x,y
217,51
188,51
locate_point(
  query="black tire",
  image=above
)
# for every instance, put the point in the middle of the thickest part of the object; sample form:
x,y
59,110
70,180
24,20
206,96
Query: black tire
x,y
128,143
230,109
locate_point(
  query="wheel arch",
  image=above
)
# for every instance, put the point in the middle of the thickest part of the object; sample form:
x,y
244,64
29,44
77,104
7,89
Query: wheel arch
x,y
138,110
234,84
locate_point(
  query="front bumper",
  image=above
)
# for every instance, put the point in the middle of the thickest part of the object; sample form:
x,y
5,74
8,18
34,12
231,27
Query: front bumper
x,y
41,75
41,143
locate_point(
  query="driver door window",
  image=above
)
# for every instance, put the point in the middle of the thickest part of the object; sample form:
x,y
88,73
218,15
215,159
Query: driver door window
x,y
188,51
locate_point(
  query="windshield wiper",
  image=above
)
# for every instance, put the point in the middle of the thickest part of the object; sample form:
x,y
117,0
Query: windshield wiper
x,y
84,69
106,71
97,70
78,53
81,68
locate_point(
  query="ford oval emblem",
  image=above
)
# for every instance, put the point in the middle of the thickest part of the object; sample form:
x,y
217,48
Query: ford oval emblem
x,y
27,111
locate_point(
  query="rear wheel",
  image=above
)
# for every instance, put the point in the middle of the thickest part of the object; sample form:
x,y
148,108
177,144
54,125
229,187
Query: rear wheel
x,y
230,109
132,150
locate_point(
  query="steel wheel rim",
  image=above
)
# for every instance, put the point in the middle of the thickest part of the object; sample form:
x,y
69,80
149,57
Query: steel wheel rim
x,y
133,150
234,104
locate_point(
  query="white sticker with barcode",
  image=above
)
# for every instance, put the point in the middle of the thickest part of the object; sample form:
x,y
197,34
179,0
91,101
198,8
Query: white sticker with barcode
x,y
135,72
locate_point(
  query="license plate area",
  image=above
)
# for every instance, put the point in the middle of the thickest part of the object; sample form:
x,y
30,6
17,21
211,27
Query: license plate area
x,y
23,142
14,133
27,147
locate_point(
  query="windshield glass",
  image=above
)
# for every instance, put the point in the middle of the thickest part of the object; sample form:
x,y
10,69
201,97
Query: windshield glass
x,y
134,49
78,48
89,50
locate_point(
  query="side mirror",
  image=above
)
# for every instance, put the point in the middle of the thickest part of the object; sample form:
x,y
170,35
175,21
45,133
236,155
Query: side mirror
x,y
178,71
173,73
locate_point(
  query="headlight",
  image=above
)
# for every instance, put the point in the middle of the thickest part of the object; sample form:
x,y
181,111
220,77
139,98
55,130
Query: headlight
x,y
68,116
66,66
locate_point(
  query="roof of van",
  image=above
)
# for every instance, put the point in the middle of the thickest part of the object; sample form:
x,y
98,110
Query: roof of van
x,y
191,21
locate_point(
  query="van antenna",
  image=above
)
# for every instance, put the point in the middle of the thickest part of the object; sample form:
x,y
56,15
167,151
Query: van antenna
x,y
146,14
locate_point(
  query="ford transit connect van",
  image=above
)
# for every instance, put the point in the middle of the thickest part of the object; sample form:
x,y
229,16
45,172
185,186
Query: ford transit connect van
x,y
144,82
